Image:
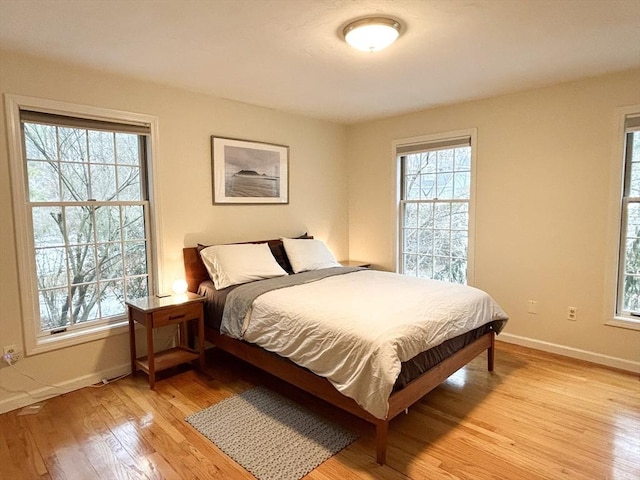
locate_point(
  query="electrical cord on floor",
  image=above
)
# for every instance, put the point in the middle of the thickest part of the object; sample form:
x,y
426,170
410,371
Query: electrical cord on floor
x,y
12,365
98,385
107,382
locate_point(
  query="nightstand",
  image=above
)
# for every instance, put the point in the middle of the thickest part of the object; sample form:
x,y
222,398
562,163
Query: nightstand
x,y
354,263
154,312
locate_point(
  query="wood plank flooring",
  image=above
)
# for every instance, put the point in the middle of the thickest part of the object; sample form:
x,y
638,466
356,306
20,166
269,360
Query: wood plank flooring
x,y
538,416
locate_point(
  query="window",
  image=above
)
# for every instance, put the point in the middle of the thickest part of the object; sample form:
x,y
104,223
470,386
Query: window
x,y
435,194
82,205
628,292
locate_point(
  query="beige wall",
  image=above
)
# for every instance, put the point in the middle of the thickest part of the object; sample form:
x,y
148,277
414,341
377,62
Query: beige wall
x,y
318,192
545,160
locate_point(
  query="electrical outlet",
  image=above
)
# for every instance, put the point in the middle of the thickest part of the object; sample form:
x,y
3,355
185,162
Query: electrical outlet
x,y
572,314
532,307
11,354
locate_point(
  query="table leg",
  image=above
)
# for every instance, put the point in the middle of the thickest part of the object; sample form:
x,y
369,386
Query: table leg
x,y
150,356
132,342
201,341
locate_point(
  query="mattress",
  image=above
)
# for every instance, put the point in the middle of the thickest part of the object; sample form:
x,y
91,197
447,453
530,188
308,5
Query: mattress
x,y
410,369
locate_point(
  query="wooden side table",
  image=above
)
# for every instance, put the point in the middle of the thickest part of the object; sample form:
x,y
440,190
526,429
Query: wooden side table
x,y
153,312
354,263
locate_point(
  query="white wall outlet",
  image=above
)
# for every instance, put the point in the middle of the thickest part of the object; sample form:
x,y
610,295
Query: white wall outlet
x,y
572,314
532,307
11,354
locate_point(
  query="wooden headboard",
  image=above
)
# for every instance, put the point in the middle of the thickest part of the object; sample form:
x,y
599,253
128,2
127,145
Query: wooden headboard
x,y
195,272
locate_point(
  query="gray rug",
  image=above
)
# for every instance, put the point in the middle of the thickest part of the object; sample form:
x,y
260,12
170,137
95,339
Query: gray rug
x,y
269,435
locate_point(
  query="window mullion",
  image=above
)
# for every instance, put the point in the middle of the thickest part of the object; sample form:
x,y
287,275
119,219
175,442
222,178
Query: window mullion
x,y
627,164
123,252
58,164
147,233
95,256
89,174
70,278
144,171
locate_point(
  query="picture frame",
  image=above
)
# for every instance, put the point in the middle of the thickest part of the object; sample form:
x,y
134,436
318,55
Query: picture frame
x,y
249,172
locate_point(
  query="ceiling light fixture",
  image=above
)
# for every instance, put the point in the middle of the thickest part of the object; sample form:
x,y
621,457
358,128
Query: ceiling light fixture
x,y
371,34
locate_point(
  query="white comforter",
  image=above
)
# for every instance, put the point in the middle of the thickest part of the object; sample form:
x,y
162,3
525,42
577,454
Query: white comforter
x,y
356,329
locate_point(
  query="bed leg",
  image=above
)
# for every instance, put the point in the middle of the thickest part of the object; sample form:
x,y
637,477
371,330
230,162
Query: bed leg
x,y
382,429
491,353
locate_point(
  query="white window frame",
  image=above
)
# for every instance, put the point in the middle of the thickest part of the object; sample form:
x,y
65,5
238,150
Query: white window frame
x,y
34,343
612,315
397,212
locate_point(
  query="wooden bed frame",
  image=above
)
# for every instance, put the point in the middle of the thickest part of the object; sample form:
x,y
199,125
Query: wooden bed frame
x,y
304,379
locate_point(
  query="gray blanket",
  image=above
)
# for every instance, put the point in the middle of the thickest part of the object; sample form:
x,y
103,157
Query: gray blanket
x,y
241,298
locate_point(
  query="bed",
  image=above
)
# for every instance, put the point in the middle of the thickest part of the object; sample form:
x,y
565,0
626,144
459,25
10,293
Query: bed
x,y
416,376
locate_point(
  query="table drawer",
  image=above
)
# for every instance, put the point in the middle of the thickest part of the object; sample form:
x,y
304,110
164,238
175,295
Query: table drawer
x,y
177,314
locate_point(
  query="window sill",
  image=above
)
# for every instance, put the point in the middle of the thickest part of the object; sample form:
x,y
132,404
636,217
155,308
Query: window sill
x,y
624,322
77,337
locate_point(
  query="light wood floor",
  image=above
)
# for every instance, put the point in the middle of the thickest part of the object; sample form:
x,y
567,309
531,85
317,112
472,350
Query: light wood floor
x,y
537,416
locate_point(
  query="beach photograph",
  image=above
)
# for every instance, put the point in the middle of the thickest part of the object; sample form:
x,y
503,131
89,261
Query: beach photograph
x,y
249,172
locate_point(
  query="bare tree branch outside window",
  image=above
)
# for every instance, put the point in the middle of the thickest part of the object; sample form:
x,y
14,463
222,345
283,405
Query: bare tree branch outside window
x,y
435,214
86,194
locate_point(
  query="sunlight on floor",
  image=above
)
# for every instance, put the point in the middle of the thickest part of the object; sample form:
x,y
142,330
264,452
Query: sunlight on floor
x,y
626,444
458,379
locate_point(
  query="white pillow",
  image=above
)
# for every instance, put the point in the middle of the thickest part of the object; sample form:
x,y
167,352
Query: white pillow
x,y
240,263
308,254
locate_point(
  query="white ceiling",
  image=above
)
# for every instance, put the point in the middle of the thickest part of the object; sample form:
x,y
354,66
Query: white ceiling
x,y
289,55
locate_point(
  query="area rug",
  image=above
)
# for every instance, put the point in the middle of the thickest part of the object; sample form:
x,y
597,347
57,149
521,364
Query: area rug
x,y
269,435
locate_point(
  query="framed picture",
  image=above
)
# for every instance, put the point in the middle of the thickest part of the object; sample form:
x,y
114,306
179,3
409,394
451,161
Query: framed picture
x,y
249,172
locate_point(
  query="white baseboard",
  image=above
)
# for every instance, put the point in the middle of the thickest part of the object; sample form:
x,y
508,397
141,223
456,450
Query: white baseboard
x,y
24,398
615,362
